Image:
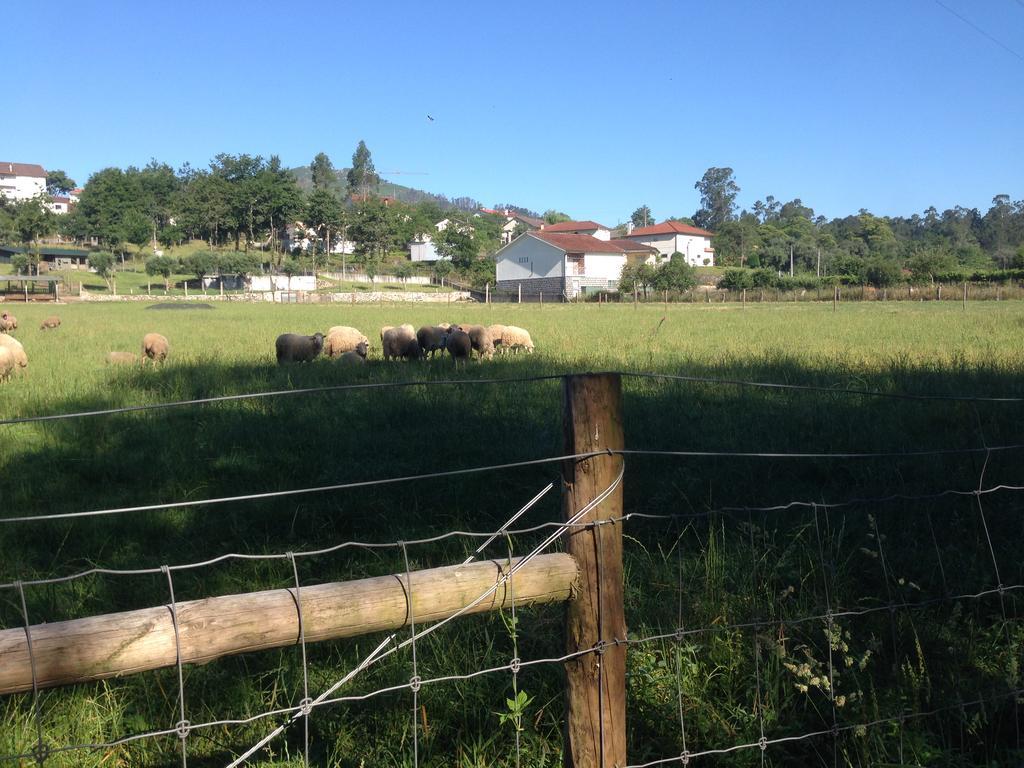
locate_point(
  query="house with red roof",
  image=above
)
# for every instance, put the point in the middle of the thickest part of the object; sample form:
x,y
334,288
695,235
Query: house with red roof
x,y
591,228
22,181
675,237
563,264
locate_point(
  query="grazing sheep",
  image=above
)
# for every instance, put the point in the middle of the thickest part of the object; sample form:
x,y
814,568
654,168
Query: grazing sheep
x,y
496,331
16,350
6,364
399,342
459,345
295,348
341,339
155,347
353,357
432,338
51,322
516,338
121,358
8,322
481,340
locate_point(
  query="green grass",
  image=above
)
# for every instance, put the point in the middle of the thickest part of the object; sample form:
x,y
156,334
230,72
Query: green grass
x,y
732,567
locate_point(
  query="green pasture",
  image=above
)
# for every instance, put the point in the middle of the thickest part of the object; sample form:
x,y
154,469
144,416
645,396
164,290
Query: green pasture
x,y
720,562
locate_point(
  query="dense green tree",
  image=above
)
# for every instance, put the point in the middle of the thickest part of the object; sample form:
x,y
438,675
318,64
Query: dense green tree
x,y
163,266
457,243
59,183
718,190
105,203
322,172
104,264
642,217
157,194
33,219
325,215
371,228
200,264
551,216
362,176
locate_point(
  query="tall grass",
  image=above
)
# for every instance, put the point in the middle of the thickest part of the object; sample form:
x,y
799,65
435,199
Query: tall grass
x,y
715,570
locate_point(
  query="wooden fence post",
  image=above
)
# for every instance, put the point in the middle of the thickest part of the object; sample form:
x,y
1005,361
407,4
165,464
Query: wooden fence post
x,y
595,682
965,295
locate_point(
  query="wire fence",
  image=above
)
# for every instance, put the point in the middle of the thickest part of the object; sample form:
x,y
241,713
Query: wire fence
x,y
674,630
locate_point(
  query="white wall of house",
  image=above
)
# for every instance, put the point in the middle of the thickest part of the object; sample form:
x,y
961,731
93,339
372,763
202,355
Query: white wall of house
x,y
282,283
423,250
693,247
607,266
528,257
16,187
601,234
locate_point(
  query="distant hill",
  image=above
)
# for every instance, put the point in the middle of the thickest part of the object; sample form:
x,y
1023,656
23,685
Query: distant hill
x,y
304,177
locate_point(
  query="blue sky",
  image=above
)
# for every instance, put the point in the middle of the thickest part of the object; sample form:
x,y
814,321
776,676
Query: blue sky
x,y
592,108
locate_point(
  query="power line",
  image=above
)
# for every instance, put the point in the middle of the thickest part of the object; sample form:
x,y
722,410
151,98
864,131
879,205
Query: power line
x,y
981,31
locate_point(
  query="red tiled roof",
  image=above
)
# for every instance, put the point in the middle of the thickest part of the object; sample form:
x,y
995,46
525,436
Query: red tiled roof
x,y
23,169
577,243
57,199
631,246
573,226
670,228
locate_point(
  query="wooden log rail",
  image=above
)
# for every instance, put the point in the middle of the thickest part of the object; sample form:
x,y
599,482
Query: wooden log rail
x,y
116,644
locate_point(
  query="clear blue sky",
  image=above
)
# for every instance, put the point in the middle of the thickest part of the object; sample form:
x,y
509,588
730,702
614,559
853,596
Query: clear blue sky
x,y
591,107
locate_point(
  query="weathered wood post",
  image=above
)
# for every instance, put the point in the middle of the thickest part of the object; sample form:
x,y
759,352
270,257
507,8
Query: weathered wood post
x,y
595,682
835,297
965,295
520,294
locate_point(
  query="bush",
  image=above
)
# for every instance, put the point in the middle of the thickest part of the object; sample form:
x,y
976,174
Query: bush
x,y
737,279
882,272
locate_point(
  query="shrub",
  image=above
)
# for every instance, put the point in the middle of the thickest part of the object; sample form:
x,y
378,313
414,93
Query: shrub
x,y
737,279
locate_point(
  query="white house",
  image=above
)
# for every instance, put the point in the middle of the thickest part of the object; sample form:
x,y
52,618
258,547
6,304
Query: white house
x,y
22,181
559,264
675,237
60,205
422,247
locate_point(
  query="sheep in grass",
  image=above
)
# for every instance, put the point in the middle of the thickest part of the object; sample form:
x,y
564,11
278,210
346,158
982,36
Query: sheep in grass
x,y
16,349
296,348
8,322
7,364
354,356
121,358
155,348
513,338
400,342
481,340
51,322
341,339
495,331
459,345
431,339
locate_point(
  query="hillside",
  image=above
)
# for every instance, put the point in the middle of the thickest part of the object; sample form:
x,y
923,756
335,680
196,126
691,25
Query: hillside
x,y
405,194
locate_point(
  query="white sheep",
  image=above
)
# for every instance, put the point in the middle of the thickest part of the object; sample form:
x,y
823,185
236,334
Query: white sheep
x,y
516,338
341,339
7,364
16,350
155,347
495,332
8,322
121,358
399,342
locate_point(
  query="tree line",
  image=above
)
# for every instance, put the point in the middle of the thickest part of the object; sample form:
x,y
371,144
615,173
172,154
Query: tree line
x,y
790,238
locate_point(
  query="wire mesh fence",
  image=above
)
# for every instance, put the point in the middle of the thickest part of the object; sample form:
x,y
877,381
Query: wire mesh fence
x,y
833,631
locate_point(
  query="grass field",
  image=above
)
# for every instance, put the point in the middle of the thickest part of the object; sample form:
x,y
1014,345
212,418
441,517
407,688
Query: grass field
x,y
717,569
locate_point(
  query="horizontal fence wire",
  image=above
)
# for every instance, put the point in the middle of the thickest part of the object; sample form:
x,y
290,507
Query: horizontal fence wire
x,y
513,465
970,398
490,536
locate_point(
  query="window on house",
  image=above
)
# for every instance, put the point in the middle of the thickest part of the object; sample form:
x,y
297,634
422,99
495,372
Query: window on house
x,y
575,262
524,259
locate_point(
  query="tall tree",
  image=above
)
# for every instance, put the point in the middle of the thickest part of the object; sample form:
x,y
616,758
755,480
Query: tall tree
x,y
718,190
642,217
323,173
362,176
324,214
551,216
59,183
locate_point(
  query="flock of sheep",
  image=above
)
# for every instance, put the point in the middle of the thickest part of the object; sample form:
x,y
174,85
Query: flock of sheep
x,y
14,358
341,342
404,342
